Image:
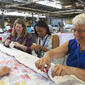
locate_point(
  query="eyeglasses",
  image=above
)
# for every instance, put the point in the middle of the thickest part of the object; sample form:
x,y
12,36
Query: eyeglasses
x,y
79,31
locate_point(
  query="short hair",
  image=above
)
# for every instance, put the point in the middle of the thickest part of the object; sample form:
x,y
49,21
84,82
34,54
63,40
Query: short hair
x,y
79,19
24,31
43,24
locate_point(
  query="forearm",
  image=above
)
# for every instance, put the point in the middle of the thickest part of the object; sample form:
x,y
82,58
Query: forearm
x,y
80,73
55,53
22,47
58,52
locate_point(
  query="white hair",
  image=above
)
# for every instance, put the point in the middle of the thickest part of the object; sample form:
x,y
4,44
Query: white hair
x,y
79,19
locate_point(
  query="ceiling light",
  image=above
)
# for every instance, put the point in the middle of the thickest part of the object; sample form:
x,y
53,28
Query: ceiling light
x,y
49,3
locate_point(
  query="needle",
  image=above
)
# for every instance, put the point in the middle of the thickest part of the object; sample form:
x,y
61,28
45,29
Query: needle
x,y
46,72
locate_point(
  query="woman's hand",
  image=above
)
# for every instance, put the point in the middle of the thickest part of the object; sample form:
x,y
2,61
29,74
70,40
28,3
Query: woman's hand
x,y
41,63
17,44
7,42
5,70
36,47
61,70
21,46
33,47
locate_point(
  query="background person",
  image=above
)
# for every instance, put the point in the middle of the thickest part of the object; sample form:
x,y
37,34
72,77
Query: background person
x,y
44,41
20,38
75,49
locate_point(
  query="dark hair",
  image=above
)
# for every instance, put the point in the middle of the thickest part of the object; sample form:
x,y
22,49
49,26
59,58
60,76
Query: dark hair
x,y
43,24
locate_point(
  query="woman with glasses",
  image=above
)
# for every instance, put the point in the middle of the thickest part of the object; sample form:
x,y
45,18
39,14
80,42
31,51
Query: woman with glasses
x,y
19,38
75,48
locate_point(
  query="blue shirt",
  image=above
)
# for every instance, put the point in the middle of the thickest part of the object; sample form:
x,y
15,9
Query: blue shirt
x,y
75,57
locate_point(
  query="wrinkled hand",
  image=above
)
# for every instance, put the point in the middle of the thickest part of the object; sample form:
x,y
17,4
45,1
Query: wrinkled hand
x,y
60,70
7,42
40,64
5,70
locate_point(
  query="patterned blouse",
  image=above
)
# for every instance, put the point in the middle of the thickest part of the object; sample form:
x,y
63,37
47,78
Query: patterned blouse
x,y
26,41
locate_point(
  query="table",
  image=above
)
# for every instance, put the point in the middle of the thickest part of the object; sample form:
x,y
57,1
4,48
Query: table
x,y
24,72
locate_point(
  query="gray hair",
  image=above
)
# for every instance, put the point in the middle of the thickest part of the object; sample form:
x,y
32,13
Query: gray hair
x,y
79,19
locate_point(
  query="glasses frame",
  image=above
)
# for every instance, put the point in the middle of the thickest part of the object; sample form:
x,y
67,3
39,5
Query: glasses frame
x,y
79,31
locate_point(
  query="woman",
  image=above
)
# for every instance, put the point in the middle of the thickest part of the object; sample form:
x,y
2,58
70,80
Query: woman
x,y
44,41
75,49
19,37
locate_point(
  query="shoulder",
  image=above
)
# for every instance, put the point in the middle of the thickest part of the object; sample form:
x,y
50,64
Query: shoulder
x,y
72,42
65,45
55,36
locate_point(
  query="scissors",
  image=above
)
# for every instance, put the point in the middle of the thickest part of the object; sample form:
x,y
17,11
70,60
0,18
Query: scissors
x,y
47,73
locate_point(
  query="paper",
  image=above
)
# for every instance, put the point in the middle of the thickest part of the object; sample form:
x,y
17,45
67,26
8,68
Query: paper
x,y
11,45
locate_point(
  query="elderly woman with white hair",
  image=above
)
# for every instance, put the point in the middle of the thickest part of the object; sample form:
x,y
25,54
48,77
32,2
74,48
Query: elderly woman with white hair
x,y
75,48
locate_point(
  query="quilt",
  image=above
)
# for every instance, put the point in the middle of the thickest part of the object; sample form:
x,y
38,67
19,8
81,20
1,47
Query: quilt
x,y
20,74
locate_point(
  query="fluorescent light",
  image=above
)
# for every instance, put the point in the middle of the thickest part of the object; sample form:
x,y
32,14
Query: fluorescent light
x,y
49,3
22,14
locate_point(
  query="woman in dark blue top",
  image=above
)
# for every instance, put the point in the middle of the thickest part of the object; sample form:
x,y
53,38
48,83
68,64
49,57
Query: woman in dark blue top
x,y
76,57
75,49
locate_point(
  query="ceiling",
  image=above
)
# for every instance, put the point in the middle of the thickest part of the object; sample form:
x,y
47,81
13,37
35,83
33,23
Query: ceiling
x,y
69,8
